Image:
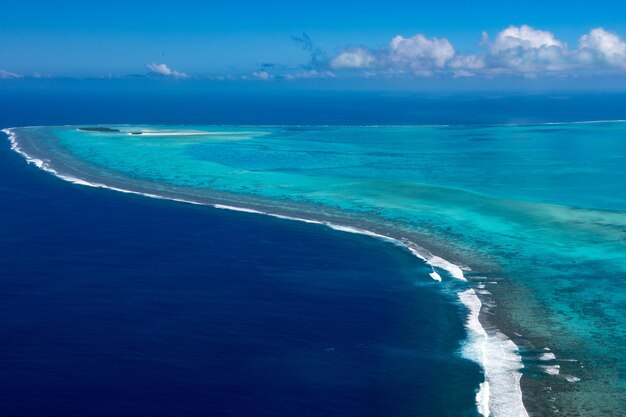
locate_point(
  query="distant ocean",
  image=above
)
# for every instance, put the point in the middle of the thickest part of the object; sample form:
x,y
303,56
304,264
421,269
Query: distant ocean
x,y
117,304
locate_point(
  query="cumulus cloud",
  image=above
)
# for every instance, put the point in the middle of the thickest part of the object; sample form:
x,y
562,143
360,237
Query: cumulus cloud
x,y
525,49
261,75
602,47
466,65
353,59
164,70
516,50
419,53
7,75
524,37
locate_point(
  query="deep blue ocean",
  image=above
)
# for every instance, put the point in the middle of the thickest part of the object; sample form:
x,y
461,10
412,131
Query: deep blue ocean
x,y
118,305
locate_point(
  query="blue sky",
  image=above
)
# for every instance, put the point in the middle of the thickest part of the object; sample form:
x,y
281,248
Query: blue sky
x,y
276,41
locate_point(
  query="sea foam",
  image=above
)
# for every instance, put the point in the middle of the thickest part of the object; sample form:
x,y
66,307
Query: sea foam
x,y
498,395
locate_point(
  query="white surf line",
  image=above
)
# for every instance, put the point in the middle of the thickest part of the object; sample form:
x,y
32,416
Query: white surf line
x,y
547,356
530,124
550,369
184,133
500,394
434,275
553,368
45,167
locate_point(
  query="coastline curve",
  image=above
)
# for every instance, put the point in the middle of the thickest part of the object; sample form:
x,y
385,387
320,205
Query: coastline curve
x,y
500,393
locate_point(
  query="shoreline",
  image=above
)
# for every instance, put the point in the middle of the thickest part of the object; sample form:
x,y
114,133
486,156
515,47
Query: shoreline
x,y
501,392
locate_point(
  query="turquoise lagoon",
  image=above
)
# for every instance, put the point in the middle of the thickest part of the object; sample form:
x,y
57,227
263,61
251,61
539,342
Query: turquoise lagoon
x,y
534,216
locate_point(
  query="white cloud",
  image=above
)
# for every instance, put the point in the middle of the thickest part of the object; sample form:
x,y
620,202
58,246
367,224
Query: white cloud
x,y
524,37
523,49
529,51
514,51
309,75
281,75
600,46
163,69
261,75
466,65
467,62
417,55
7,75
355,58
420,53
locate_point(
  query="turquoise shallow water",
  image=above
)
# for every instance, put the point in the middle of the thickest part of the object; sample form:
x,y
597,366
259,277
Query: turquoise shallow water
x,y
537,212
